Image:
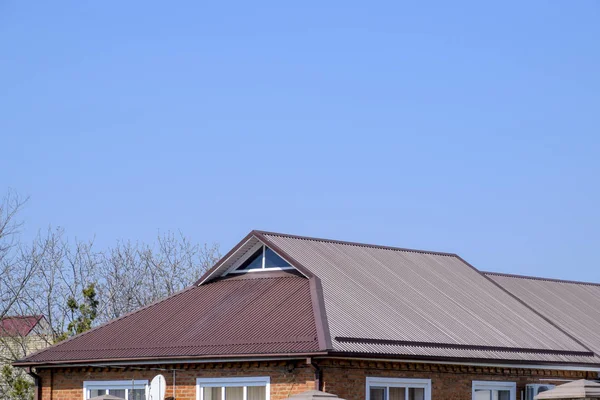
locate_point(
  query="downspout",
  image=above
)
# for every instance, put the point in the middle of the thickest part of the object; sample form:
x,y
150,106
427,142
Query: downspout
x,y
38,383
318,373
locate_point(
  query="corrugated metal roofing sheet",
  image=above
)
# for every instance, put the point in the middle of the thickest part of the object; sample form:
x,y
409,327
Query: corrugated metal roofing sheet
x,y
352,299
574,306
378,293
252,314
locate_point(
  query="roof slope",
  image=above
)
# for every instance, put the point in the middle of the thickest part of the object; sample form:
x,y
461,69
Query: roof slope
x,y
345,298
574,306
393,301
20,325
250,314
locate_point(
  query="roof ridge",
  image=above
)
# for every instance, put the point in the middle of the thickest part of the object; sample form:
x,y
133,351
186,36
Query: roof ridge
x,y
540,278
358,244
38,316
57,345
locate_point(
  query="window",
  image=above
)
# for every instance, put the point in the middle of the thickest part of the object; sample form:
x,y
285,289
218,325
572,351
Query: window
x,y
398,389
492,390
263,258
251,388
128,390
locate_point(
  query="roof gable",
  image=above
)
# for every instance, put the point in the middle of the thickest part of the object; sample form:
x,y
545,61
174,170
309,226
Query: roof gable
x,y
243,251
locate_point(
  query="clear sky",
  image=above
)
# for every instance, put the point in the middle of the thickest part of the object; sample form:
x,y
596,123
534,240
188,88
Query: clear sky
x,y
469,127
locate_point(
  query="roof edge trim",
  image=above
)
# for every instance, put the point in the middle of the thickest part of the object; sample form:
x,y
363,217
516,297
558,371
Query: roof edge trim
x,y
318,303
376,246
479,362
465,346
539,278
174,360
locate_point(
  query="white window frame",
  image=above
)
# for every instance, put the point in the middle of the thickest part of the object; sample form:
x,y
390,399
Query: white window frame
x,y
495,385
398,382
254,249
234,381
121,384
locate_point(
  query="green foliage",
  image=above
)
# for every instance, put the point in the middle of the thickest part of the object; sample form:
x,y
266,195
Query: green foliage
x,y
14,385
82,315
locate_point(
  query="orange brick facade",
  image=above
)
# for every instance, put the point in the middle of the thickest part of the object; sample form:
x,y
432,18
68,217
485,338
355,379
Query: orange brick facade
x,y
346,378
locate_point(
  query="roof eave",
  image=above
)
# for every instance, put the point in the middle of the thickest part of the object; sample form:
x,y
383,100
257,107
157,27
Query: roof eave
x,y
168,360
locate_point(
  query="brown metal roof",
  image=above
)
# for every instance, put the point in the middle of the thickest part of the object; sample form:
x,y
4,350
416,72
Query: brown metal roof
x,y
384,300
270,313
574,306
347,299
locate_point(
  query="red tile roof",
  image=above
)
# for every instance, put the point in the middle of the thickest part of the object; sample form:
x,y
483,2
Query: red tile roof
x,y
18,325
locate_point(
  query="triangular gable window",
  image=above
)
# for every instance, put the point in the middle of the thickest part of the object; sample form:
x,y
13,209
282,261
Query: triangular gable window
x,y
263,259
253,262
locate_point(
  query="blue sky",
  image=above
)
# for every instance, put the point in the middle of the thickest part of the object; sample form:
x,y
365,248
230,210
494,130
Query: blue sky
x,y
470,127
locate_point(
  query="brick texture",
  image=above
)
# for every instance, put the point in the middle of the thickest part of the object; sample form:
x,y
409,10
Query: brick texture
x,y
342,377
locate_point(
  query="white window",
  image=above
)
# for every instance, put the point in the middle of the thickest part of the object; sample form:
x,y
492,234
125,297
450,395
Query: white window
x,y
493,390
250,388
128,390
262,258
398,389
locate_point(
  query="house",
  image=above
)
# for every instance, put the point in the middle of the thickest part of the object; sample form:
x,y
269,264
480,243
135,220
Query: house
x,y
21,335
282,314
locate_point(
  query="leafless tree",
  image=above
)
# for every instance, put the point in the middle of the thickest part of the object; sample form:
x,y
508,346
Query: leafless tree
x,y
37,278
14,276
134,274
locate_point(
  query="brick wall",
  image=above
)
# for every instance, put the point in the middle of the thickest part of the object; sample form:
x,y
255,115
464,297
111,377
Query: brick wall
x,y
344,378
347,379
67,383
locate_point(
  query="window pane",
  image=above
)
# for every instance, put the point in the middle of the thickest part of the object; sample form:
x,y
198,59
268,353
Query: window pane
x,y
97,392
501,395
117,392
272,260
234,393
481,394
415,394
254,262
257,393
212,393
377,393
137,394
397,393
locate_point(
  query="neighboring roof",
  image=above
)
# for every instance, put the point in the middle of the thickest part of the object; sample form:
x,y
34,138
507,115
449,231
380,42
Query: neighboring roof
x,y
580,389
20,325
348,299
573,306
390,301
268,313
